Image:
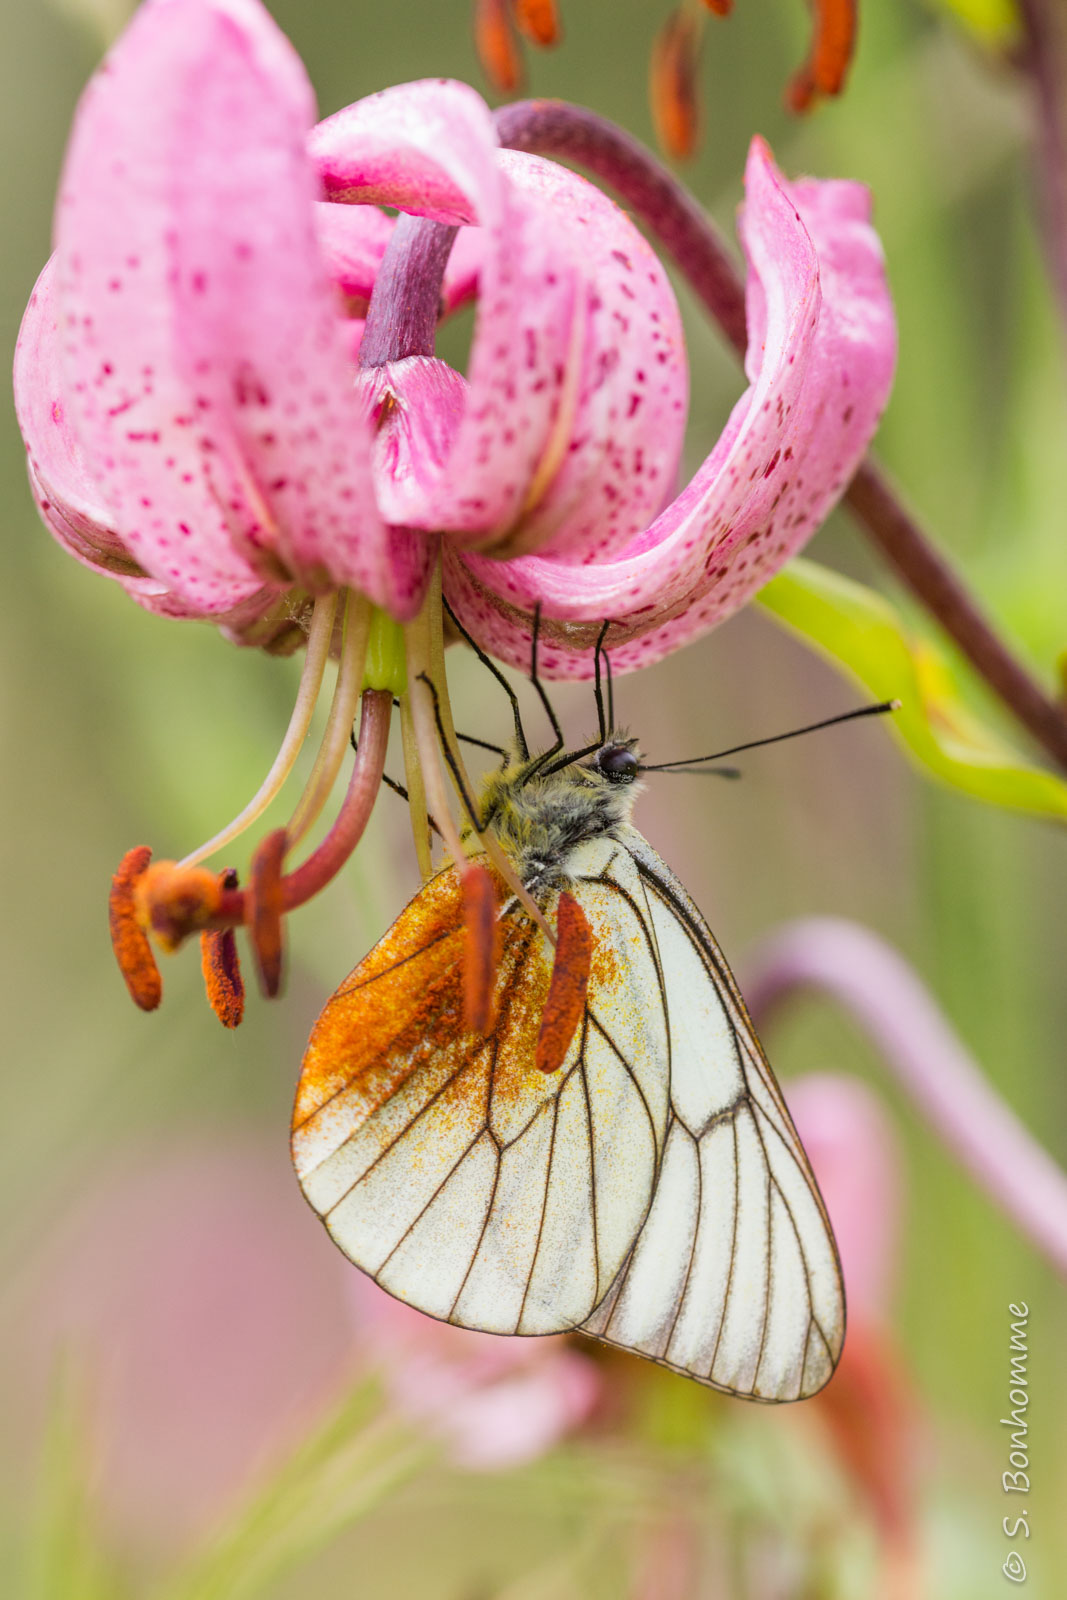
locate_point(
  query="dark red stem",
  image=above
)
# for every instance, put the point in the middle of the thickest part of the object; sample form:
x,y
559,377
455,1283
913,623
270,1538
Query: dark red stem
x,y
670,212
325,862
406,299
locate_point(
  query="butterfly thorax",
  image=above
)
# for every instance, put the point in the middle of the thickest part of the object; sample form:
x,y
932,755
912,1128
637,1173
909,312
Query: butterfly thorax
x,y
541,812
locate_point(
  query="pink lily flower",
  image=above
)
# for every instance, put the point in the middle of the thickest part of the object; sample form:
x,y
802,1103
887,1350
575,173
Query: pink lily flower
x,y
200,429
227,385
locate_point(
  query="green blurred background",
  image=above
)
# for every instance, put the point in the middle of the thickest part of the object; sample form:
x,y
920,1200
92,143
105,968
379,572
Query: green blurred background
x,y
120,728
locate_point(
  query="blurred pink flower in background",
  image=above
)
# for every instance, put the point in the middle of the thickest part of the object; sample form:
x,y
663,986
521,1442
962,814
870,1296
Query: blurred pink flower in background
x,y
854,1151
495,1402
213,1322
201,1306
868,1407
204,426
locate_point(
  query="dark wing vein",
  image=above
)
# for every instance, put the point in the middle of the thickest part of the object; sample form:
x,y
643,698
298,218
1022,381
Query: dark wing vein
x,y
450,1174
692,1248
733,1254
544,1207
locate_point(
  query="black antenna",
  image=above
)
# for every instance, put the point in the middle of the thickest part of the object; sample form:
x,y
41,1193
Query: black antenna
x,y
605,723
696,762
486,661
542,693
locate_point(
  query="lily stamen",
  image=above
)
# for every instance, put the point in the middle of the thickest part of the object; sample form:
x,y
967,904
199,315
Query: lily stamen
x,y
343,709
320,636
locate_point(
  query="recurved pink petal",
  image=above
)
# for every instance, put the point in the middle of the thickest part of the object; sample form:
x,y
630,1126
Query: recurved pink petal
x,y
821,355
209,382
66,492
612,462
352,240
416,406
65,489
430,149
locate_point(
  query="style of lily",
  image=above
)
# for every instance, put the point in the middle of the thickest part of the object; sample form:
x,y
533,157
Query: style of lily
x,y
227,385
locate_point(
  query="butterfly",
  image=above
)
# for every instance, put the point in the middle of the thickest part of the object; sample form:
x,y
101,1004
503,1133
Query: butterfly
x,y
651,1191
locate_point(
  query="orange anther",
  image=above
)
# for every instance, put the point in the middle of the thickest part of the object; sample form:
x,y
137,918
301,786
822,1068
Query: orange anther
x,y
495,43
174,901
565,1005
481,949
538,20
721,8
673,84
128,938
220,966
266,903
831,53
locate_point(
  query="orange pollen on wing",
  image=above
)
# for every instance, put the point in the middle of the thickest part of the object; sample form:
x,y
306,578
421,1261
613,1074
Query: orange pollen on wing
x,y
832,49
481,950
174,901
673,84
266,905
498,51
128,937
538,20
221,968
565,1005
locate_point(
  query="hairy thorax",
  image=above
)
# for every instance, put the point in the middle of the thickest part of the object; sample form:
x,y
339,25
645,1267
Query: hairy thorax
x,y
540,816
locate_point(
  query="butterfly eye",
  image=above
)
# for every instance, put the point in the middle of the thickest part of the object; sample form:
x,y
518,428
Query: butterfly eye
x,y
617,763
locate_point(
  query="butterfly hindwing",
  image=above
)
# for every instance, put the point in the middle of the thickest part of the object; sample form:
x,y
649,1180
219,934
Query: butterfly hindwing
x,y
734,1279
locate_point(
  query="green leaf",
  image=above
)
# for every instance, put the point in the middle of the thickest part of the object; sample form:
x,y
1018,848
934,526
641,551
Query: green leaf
x,y
861,631
993,22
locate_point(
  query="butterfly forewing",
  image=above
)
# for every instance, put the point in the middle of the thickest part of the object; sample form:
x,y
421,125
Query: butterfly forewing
x,y
734,1278
466,1181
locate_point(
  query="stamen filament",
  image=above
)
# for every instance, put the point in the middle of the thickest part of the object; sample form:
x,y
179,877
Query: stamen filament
x,y
417,641
326,861
418,810
320,634
342,715
363,785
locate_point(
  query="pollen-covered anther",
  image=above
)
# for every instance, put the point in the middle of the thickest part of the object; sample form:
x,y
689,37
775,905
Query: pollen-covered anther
x,y
538,20
221,968
565,1005
495,42
128,938
832,48
673,78
173,901
481,951
265,909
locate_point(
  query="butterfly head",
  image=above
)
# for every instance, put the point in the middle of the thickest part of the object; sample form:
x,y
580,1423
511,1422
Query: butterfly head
x,y
544,806
618,761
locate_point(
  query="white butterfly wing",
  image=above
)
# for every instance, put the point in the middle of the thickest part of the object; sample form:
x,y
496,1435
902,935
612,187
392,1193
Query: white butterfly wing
x,y
462,1179
734,1278
653,1192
